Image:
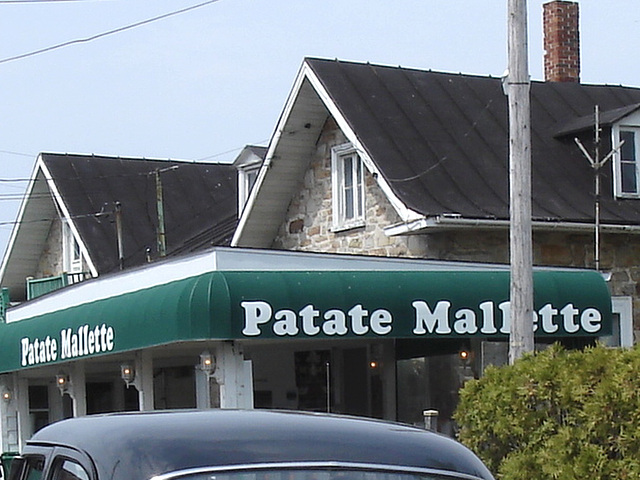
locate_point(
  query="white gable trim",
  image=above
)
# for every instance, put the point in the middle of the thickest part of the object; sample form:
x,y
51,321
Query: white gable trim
x,y
405,213
19,218
65,213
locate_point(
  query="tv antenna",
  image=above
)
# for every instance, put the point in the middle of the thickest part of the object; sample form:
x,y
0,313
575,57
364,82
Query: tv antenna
x,y
597,164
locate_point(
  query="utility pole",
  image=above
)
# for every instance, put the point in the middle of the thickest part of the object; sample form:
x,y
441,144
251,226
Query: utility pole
x,y
162,244
118,212
161,235
520,237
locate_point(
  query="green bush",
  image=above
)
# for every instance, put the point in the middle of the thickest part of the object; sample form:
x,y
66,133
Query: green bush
x,y
557,414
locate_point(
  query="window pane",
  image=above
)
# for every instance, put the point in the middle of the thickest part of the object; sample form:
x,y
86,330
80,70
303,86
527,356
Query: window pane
x,y
76,250
68,470
628,162
629,183
35,466
359,190
628,150
252,176
348,188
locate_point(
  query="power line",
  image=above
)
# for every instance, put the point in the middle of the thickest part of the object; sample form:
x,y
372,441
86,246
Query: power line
x,y
444,158
43,1
237,149
20,154
104,34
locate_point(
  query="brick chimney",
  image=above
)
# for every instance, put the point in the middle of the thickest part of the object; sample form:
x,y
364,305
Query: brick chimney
x,y
561,42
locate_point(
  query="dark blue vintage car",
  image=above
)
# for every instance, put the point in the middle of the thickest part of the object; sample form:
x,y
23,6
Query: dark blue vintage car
x,y
240,445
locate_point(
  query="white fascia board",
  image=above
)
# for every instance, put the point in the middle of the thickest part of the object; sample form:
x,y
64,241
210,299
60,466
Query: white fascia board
x,y
20,216
273,144
405,213
65,212
424,225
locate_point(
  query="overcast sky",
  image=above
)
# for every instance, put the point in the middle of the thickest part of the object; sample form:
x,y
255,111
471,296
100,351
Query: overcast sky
x,y
202,84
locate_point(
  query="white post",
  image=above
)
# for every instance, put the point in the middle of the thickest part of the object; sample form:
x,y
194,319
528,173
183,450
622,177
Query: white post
x,y
518,86
144,380
234,376
9,409
24,421
78,389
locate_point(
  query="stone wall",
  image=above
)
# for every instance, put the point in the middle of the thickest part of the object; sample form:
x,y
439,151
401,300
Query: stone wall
x,y
51,259
309,219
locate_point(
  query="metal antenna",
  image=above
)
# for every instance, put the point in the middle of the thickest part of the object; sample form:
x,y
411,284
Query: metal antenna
x,y
597,164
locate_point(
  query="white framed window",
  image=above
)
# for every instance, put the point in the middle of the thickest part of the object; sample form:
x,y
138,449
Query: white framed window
x,y
347,172
247,176
627,161
72,256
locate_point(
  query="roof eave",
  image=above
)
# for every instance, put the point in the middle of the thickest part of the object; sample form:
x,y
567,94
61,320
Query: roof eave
x,y
444,222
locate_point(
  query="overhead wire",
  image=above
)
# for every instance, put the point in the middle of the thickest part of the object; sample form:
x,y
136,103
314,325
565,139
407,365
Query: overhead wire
x,y
444,158
20,154
104,34
8,2
66,44
230,151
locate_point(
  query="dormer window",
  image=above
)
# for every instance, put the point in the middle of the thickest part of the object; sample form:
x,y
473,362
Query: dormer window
x,y
348,187
247,176
72,257
627,164
248,164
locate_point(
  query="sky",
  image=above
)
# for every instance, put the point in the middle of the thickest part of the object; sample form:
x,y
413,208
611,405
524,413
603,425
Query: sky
x,y
200,85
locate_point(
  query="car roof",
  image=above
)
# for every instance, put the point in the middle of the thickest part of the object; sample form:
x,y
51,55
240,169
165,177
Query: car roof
x,y
143,445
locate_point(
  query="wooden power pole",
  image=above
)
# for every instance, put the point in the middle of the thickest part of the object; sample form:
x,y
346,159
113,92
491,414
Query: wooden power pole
x,y
520,238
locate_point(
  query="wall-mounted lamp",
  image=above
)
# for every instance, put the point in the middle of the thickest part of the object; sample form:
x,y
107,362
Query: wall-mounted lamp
x,y
63,382
128,373
7,395
466,356
207,362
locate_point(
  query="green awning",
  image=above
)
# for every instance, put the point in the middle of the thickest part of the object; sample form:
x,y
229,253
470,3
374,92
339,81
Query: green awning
x,y
317,304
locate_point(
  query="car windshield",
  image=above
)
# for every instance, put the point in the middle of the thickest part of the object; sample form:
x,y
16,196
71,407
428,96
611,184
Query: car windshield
x,y
333,473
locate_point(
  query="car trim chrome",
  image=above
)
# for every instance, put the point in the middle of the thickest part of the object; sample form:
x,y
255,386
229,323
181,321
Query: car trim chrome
x,y
319,465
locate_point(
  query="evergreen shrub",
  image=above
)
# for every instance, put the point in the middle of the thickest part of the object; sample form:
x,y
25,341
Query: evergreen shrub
x,y
557,414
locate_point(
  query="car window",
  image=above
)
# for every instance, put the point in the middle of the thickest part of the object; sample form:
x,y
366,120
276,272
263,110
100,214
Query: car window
x,y
34,467
69,470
